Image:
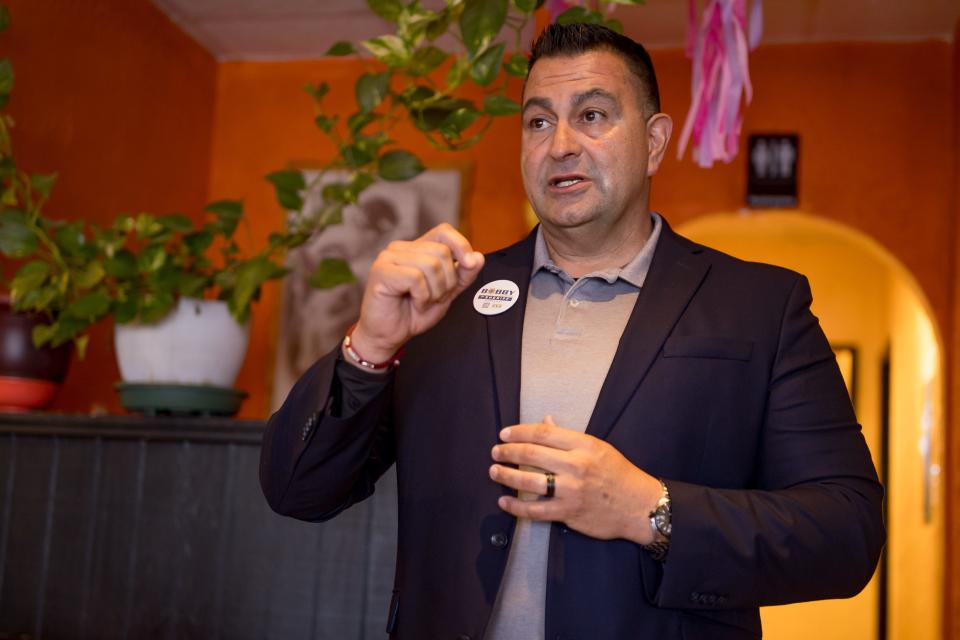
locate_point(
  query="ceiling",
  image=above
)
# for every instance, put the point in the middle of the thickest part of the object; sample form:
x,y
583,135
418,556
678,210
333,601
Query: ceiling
x,y
297,29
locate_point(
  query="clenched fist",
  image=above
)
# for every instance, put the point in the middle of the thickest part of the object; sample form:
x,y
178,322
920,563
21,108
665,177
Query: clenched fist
x,y
410,287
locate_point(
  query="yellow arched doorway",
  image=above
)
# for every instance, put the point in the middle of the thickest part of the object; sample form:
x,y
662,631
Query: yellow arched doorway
x,y
875,314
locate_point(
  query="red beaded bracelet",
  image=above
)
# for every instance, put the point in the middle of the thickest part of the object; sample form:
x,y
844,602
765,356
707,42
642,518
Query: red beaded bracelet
x,y
394,360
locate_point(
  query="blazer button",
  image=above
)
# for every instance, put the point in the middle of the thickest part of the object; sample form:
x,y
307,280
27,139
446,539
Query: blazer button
x,y
499,540
463,637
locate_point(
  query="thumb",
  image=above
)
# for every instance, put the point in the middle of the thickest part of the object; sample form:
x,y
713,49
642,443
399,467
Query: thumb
x,y
549,420
468,268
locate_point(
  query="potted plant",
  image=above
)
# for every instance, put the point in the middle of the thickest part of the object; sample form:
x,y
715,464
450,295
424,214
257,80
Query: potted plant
x,y
54,290
181,297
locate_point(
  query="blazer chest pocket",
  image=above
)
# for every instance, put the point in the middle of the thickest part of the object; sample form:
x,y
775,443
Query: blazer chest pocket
x,y
707,347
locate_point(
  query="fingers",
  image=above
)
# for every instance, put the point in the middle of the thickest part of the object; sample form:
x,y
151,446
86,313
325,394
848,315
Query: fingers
x,y
534,455
459,246
432,259
534,482
546,433
547,510
469,262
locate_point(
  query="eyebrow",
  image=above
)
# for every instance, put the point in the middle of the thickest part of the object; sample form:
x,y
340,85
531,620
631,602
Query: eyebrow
x,y
577,100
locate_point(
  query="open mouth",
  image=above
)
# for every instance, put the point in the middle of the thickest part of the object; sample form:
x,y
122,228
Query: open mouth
x,y
567,181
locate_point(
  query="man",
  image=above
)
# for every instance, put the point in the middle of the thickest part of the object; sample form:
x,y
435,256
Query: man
x,y
673,419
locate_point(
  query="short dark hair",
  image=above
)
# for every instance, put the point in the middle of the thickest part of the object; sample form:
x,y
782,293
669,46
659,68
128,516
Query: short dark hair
x,y
560,40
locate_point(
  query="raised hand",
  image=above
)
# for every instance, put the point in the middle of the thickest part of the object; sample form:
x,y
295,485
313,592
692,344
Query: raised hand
x,y
410,287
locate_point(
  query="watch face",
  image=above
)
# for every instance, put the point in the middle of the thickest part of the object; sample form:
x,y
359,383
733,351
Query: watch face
x,y
661,518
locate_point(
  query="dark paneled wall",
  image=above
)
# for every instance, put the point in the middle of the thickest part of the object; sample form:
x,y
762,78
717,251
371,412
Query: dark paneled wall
x,y
156,528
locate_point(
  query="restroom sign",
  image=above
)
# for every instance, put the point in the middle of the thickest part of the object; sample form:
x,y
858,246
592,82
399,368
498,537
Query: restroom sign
x,y
772,175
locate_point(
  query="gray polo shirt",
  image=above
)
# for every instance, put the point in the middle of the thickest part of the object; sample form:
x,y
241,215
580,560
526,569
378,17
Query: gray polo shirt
x,y
571,330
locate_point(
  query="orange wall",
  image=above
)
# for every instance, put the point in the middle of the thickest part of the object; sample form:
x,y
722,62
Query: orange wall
x,y
114,97
877,153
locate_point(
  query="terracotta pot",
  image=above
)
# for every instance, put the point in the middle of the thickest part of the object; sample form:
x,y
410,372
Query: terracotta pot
x,y
29,376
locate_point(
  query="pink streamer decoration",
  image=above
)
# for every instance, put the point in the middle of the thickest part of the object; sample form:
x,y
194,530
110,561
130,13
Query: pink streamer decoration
x,y
721,75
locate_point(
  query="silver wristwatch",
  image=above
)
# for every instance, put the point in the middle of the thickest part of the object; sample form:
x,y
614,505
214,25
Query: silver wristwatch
x,y
660,523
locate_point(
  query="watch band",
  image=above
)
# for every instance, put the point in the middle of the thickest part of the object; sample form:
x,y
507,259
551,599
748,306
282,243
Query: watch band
x,y
662,526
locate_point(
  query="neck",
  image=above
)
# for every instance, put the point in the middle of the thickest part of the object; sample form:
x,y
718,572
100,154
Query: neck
x,y
580,250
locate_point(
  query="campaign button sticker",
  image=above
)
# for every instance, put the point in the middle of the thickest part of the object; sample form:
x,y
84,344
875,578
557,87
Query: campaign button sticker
x,y
496,297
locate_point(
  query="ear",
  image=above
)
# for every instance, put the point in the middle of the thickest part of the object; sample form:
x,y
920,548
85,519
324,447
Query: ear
x,y
659,128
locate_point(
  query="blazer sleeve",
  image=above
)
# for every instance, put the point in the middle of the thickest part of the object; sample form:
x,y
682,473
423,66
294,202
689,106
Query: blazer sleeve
x,y
811,525
314,463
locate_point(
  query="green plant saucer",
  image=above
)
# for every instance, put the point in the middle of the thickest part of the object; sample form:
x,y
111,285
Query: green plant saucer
x,y
155,399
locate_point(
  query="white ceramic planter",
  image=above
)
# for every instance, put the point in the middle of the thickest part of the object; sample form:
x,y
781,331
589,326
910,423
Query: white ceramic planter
x,y
198,342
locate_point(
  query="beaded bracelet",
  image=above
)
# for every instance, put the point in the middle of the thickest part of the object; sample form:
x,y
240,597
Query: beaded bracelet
x,y
394,360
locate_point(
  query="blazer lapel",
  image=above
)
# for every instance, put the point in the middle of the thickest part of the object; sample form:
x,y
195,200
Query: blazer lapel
x,y
505,330
677,269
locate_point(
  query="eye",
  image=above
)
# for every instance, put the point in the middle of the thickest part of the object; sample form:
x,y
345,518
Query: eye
x,y
592,116
537,123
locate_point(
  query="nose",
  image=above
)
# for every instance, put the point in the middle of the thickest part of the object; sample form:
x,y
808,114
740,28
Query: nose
x,y
564,143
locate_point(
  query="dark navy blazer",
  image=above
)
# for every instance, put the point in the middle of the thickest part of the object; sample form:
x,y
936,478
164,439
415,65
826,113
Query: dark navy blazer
x,y
723,384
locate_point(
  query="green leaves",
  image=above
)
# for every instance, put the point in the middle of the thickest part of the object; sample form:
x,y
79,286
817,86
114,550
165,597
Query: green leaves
x,y
317,91
6,77
197,243
17,240
250,274
288,185
486,67
42,184
359,120
72,241
517,65
30,276
389,49
389,10
371,89
579,15
122,265
90,307
342,48
89,276
4,18
480,23
152,258
228,213
330,273
456,122
457,72
426,60
582,15
399,165
153,306
500,106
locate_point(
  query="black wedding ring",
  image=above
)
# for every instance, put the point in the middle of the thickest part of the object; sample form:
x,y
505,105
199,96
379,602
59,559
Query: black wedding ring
x,y
551,485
